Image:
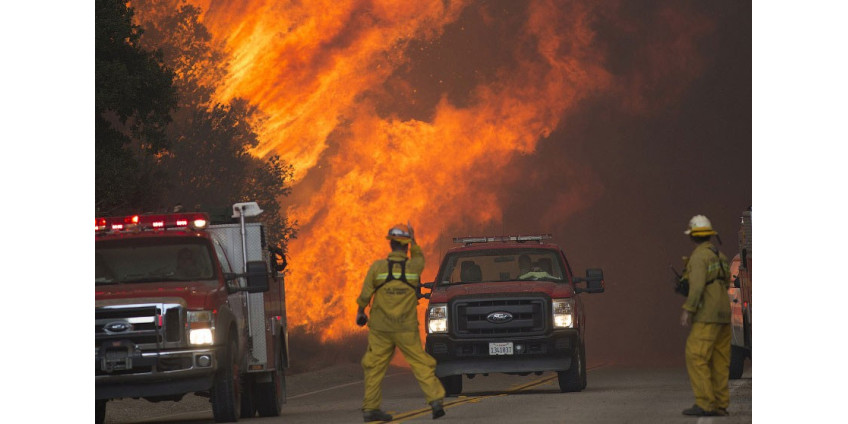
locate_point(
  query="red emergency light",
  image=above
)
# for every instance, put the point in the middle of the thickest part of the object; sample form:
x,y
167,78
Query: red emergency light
x,y
192,220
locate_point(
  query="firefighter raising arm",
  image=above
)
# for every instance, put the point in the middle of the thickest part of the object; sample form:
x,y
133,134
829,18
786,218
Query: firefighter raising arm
x,y
391,287
416,262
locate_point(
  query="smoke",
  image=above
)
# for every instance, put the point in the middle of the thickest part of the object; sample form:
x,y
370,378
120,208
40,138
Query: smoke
x,y
608,124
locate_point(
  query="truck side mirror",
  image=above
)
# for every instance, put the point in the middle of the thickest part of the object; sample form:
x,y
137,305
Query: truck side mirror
x,y
278,261
427,286
257,277
594,281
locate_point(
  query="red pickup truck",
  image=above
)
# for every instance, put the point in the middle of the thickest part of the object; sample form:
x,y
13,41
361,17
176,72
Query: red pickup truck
x,y
508,304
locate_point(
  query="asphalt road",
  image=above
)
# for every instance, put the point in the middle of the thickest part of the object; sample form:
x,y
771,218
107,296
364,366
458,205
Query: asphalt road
x,y
615,394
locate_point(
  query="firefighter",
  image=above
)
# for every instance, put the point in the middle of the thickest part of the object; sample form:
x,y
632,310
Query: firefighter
x,y
707,311
393,283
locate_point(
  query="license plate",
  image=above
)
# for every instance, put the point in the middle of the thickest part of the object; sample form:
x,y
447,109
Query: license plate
x,y
503,348
116,360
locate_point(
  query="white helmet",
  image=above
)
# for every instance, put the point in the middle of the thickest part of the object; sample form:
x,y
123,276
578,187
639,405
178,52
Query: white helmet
x,y
699,226
400,233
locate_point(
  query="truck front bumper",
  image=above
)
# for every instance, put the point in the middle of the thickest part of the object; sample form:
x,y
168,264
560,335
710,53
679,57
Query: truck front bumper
x,y
130,373
552,352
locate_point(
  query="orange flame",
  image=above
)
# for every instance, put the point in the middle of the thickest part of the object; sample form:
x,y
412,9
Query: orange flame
x,y
316,68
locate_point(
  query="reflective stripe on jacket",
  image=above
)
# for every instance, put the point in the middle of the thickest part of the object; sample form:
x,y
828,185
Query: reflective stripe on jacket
x,y
394,305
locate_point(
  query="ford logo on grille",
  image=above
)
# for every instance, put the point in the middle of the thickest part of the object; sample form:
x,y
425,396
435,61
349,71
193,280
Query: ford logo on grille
x,y
499,317
117,327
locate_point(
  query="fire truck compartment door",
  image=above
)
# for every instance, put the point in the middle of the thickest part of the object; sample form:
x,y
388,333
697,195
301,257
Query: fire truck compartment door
x,y
230,237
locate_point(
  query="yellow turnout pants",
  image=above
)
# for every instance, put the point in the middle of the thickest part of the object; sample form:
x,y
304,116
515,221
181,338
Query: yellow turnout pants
x,y
381,347
708,364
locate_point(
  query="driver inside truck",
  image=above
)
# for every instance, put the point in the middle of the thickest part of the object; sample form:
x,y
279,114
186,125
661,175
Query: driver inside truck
x,y
541,269
187,266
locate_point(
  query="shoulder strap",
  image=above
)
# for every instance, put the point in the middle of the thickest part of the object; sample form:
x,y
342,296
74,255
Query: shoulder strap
x,y
391,276
721,266
391,273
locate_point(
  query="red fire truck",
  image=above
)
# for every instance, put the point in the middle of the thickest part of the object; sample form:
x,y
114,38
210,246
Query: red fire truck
x,y
740,299
183,305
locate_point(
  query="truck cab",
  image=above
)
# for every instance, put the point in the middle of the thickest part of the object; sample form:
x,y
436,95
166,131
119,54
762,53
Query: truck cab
x,y
185,306
508,304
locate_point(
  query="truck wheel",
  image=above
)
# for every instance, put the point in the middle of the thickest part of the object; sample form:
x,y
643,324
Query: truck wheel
x,y
226,390
271,396
573,379
99,411
452,384
737,362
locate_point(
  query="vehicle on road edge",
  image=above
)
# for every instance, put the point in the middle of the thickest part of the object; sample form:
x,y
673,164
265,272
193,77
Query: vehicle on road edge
x,y
740,299
508,304
182,306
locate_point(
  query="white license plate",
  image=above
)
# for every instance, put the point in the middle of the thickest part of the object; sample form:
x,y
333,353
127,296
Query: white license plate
x,y
504,348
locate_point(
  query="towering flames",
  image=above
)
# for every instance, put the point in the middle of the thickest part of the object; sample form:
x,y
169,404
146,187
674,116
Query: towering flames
x,y
377,138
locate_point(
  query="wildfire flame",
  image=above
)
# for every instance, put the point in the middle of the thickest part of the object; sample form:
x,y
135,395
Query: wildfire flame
x,y
328,73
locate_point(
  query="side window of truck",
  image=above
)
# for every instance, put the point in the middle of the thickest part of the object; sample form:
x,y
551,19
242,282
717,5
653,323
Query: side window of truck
x,y
222,258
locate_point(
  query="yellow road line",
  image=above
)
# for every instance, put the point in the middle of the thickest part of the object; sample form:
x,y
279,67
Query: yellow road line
x,y
462,400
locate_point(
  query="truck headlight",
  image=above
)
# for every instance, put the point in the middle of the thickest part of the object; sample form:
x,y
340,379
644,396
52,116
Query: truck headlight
x,y
201,330
563,313
200,336
437,318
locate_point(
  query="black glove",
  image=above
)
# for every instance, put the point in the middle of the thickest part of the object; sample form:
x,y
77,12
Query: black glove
x,y
361,319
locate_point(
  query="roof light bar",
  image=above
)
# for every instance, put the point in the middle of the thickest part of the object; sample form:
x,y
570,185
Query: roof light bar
x,y
469,240
193,220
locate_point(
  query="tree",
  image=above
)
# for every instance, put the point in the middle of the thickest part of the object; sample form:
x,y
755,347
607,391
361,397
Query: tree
x,y
208,163
133,99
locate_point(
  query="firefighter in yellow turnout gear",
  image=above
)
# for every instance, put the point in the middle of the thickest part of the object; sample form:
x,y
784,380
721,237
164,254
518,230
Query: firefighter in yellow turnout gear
x,y
707,310
393,284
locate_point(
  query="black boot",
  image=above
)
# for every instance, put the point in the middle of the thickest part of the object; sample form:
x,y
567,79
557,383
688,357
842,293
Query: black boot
x,y
438,409
375,415
697,411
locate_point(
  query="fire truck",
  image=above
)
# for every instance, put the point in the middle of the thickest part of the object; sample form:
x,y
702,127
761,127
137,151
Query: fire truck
x,y
184,305
508,304
740,299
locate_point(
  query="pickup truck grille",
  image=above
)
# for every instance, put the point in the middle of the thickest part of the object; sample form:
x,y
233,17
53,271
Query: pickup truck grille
x,y
528,316
148,326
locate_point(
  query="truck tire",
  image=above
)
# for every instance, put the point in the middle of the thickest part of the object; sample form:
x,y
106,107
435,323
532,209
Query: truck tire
x,y
271,396
737,361
99,411
573,379
226,389
452,384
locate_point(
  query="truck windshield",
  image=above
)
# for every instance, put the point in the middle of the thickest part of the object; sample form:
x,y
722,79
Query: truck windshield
x,y
150,260
501,265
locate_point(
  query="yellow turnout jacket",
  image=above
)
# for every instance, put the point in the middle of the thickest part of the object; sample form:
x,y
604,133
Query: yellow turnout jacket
x,y
709,302
394,306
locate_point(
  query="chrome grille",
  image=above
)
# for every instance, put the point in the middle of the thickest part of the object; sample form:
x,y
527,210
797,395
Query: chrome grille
x,y
528,316
147,326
